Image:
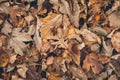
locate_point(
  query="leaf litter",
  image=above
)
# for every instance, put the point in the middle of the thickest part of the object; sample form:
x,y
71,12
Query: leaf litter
x,y
59,40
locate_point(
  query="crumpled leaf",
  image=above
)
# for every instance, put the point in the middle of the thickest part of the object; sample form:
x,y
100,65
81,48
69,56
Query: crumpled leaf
x,y
114,63
113,77
72,34
52,77
7,28
50,60
89,36
22,69
15,77
61,43
114,19
37,38
116,41
78,73
100,31
17,41
91,61
4,59
75,52
12,59
55,4
72,9
108,49
49,22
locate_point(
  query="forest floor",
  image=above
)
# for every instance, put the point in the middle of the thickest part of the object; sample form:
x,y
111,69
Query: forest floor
x,y
59,39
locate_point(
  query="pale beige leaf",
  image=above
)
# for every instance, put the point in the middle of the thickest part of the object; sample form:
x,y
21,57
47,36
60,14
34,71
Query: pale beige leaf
x,y
116,41
22,69
49,22
89,36
12,59
7,28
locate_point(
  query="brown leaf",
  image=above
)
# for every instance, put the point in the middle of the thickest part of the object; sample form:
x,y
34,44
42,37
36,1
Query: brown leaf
x,y
113,77
75,52
22,69
116,41
78,73
91,61
49,22
52,77
89,36
16,41
4,59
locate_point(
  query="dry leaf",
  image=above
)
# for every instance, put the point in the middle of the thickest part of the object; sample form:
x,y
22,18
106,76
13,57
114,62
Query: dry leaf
x,y
61,43
78,73
75,51
22,69
52,77
113,77
91,61
15,77
108,49
49,22
12,59
72,9
7,28
116,41
4,59
89,36
50,60
17,41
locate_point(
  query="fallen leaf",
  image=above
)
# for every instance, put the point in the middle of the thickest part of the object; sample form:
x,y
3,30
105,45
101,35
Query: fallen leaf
x,y
50,60
91,61
12,59
75,52
115,41
17,41
78,73
22,69
52,77
113,77
89,36
4,59
49,22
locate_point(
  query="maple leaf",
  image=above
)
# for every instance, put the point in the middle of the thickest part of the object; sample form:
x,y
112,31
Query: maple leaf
x,y
17,41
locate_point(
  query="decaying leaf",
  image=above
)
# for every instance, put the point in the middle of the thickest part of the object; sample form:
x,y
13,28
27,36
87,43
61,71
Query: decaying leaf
x,y
116,41
4,59
89,36
61,43
49,22
17,41
12,59
59,39
22,69
113,77
115,65
78,73
91,61
75,52
72,9
52,77
7,28
107,48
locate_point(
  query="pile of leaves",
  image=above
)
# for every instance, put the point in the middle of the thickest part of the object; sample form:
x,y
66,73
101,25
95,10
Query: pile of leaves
x,y
59,39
